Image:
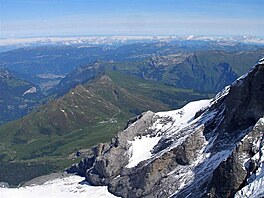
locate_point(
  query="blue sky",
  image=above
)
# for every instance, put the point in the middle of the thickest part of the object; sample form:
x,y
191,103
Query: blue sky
x,y
30,18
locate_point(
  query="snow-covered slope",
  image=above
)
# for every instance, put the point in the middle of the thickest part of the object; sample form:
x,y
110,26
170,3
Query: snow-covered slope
x,y
141,147
68,187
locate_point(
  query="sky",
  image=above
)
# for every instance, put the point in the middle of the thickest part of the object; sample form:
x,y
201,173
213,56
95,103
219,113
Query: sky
x,y
36,18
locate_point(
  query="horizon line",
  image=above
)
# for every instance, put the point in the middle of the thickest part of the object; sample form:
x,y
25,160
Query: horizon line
x,y
150,35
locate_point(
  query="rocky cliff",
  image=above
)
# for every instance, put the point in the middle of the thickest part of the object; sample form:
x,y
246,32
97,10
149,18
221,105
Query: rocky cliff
x,y
209,148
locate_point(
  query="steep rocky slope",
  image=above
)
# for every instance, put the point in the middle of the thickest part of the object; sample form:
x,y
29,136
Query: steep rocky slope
x,y
209,148
17,96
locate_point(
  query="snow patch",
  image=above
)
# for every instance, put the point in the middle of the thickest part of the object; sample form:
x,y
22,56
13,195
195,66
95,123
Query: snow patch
x,y
221,94
179,119
255,189
30,91
140,149
68,187
187,111
261,61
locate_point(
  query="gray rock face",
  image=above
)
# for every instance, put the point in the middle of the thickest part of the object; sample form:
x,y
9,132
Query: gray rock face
x,y
111,159
210,152
82,166
103,165
231,174
4,185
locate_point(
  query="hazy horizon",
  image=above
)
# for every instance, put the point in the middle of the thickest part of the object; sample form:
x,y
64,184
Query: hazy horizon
x,y
133,35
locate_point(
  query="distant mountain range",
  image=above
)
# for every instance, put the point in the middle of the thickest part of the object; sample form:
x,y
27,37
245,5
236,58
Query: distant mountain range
x,y
193,65
208,71
121,40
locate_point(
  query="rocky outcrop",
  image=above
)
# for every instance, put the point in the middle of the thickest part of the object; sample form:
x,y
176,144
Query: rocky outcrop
x,y
4,185
132,120
208,148
232,174
103,165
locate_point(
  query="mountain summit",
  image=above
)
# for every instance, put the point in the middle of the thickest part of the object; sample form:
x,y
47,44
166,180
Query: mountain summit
x,y
209,148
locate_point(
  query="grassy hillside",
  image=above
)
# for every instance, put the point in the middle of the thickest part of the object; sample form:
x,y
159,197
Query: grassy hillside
x,y
88,114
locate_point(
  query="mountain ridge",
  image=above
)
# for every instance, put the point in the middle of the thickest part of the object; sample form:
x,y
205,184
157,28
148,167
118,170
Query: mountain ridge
x,y
219,143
